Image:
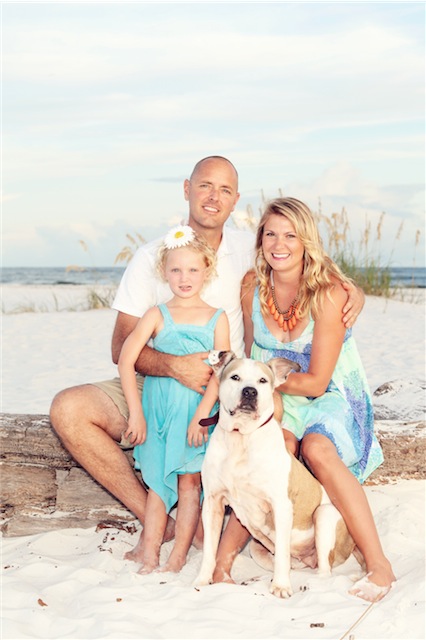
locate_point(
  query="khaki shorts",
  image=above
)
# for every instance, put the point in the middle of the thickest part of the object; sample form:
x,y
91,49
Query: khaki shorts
x,y
113,390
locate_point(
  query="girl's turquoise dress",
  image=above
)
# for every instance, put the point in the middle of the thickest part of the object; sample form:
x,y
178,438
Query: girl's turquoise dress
x,y
168,407
344,413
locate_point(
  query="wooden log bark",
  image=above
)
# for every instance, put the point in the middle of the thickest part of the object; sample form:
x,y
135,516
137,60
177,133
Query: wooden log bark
x,y
43,487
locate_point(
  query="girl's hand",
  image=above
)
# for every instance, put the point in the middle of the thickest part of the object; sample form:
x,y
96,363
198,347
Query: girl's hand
x,y
197,435
136,431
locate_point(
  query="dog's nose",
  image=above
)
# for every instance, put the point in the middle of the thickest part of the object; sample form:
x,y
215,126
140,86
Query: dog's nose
x,y
249,392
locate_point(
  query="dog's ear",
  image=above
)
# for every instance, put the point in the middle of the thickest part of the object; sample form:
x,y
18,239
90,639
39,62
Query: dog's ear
x,y
219,359
281,367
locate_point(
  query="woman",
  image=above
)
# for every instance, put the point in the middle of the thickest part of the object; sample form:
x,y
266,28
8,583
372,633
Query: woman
x,y
292,308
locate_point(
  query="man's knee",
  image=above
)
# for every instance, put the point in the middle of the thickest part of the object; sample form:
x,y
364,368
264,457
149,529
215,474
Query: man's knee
x,y
69,406
62,406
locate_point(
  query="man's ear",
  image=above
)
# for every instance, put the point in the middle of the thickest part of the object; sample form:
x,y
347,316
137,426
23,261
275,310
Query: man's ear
x,y
281,367
219,359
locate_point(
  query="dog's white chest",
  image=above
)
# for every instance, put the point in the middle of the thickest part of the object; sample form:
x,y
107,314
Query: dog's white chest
x,y
250,474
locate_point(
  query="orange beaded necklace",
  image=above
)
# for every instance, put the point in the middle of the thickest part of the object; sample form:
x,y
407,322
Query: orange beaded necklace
x,y
285,319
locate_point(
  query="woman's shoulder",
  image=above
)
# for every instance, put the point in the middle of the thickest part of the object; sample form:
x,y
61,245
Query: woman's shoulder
x,y
249,281
334,295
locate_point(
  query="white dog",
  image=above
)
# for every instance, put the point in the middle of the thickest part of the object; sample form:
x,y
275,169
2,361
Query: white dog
x,y
248,467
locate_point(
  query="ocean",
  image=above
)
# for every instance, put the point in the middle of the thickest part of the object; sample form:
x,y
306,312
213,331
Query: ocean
x,y
400,276
62,275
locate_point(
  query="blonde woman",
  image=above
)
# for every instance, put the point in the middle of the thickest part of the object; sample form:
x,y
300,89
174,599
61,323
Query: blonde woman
x,y
165,424
292,308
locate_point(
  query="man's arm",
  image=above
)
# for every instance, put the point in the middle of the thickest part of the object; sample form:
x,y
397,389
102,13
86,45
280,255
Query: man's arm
x,y
353,305
189,370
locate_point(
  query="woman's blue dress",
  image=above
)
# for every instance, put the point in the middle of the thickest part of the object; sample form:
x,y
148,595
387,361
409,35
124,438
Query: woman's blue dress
x,y
344,413
168,407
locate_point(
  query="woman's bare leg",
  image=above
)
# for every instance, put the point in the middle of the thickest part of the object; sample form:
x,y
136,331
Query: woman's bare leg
x,y
233,539
291,442
155,526
187,517
349,498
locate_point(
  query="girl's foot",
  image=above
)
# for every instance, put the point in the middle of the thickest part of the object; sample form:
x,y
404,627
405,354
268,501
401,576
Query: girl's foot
x,y
150,563
136,554
148,567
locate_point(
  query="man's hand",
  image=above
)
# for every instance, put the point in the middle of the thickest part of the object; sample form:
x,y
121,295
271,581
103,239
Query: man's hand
x,y
353,306
192,371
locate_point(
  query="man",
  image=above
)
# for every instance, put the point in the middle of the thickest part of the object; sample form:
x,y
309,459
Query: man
x,y
90,419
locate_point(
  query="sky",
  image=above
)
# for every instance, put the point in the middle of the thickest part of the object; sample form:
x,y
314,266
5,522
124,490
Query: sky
x,y
106,107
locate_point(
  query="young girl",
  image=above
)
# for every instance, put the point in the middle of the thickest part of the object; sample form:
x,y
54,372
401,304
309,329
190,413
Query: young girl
x,y
168,451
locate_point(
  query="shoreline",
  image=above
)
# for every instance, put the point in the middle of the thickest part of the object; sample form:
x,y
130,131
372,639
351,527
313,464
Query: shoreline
x,y
47,298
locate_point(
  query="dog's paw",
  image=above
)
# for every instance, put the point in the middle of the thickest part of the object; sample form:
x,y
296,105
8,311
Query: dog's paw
x,y
281,591
202,581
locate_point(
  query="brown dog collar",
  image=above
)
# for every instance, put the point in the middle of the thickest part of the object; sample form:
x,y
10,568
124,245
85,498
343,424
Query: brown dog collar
x,y
213,420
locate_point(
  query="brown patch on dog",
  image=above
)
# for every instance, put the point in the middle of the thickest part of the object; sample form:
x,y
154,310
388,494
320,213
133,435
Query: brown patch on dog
x,y
305,493
344,545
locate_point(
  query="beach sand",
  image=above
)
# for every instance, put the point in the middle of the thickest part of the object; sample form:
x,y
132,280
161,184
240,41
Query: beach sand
x,y
75,584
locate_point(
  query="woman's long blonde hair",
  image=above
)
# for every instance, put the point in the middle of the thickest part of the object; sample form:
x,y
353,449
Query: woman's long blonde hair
x,y
319,272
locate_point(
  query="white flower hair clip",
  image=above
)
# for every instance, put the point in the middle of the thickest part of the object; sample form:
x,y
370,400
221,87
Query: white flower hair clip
x,y
179,236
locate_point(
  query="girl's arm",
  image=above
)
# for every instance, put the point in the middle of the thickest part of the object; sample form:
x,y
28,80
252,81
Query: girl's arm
x,y
196,433
329,332
129,354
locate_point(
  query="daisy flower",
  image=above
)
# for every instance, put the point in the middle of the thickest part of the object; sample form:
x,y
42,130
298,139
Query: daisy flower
x,y
179,236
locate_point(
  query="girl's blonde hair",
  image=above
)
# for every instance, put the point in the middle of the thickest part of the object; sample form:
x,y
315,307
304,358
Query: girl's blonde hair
x,y
198,245
319,272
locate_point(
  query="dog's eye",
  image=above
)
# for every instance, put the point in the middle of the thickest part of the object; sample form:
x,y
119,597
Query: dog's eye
x,y
263,381
235,377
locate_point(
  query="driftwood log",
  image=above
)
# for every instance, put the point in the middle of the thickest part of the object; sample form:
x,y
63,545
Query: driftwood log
x,y
43,488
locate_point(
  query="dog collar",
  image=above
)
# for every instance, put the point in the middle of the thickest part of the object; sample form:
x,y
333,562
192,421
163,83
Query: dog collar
x,y
213,420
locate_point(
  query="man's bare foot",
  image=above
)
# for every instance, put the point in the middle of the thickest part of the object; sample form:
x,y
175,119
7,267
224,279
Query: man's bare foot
x,y
136,554
169,533
375,585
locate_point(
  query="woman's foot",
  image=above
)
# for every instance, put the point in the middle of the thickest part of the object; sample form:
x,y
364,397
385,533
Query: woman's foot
x,y
375,585
222,575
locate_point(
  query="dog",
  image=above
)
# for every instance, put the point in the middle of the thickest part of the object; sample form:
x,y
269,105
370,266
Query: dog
x,y
247,466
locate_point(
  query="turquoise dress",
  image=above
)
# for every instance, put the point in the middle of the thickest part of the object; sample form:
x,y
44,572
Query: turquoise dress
x,y
344,413
168,407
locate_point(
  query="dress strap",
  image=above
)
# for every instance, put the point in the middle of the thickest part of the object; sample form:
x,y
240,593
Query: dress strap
x,y
165,313
214,318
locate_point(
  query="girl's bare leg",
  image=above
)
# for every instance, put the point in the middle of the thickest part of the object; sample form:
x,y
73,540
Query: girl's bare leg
x,y
187,517
153,533
349,498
